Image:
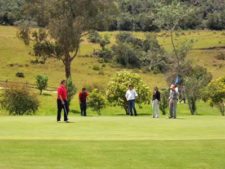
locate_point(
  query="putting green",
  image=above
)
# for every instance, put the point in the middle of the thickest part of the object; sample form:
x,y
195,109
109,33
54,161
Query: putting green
x,y
190,142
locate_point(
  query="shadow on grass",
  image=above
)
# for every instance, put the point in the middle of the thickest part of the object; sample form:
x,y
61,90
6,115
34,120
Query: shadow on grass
x,y
75,111
46,94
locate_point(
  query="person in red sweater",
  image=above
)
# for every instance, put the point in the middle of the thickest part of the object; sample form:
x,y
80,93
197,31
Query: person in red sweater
x,y
62,102
83,101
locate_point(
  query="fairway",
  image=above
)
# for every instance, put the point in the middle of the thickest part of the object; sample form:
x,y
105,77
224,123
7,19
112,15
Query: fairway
x,y
189,142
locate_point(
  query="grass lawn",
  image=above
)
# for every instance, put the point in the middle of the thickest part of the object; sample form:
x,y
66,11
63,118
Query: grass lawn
x,y
38,142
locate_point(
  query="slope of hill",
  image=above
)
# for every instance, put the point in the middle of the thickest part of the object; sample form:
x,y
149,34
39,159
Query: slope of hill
x,y
14,57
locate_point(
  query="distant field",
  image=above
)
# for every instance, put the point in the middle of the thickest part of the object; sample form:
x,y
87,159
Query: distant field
x,y
112,142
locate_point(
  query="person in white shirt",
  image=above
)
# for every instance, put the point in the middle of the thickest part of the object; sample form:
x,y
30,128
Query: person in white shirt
x,y
131,95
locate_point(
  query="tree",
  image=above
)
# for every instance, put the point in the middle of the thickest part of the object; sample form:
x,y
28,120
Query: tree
x,y
41,82
194,82
96,100
118,86
215,93
68,22
145,53
169,18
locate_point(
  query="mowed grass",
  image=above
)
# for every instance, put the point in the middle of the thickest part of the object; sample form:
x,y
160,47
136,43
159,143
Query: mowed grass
x,y
112,142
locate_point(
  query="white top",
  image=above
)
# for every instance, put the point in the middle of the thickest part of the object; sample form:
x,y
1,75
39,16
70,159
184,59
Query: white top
x,y
131,94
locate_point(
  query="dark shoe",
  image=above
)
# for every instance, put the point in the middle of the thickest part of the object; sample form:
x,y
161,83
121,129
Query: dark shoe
x,y
170,117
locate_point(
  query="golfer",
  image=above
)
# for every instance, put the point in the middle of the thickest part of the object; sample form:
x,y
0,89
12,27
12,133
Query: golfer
x,y
173,98
131,95
83,101
62,102
155,102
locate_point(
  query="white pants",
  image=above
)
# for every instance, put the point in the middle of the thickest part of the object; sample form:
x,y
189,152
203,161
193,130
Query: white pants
x,y
155,107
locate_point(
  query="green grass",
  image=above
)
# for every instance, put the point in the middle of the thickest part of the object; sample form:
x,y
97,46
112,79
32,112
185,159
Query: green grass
x,y
112,142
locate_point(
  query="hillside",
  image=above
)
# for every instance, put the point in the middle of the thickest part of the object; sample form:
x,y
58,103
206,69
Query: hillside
x,y
14,57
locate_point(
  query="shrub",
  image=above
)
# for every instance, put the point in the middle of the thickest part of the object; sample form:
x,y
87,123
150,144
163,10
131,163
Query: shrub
x,y
105,54
101,72
118,86
96,101
216,21
71,89
164,101
19,101
20,74
41,82
215,93
126,55
220,56
94,37
96,68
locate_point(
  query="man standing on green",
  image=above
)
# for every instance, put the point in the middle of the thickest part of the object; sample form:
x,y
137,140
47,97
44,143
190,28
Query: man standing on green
x,y
83,101
173,98
62,102
131,95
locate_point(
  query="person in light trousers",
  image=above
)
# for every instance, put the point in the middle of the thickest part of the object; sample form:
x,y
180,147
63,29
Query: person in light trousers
x,y
173,98
155,102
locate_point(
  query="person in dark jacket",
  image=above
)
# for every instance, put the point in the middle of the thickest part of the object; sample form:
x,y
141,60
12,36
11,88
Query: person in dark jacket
x,y
155,102
83,101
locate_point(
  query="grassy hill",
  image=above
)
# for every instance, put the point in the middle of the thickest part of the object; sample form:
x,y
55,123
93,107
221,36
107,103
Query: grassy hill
x,y
13,51
14,57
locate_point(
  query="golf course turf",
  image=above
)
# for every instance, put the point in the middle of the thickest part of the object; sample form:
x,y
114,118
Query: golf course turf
x,y
38,142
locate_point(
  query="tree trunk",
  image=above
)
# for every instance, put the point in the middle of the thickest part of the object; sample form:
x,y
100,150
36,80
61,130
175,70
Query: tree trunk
x,y
67,64
175,51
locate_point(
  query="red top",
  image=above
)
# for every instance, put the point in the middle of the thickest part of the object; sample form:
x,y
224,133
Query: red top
x,y
62,91
83,96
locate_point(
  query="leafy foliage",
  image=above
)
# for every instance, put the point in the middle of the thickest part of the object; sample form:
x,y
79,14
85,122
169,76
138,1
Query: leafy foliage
x,y
96,100
215,92
198,78
71,89
163,105
94,37
136,15
41,82
118,86
19,101
140,53
67,22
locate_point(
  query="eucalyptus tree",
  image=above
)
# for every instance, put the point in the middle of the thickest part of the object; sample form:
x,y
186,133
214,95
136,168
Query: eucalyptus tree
x,y
67,22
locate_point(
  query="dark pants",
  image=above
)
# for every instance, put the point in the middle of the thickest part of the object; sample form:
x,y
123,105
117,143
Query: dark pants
x,y
131,108
83,108
65,107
